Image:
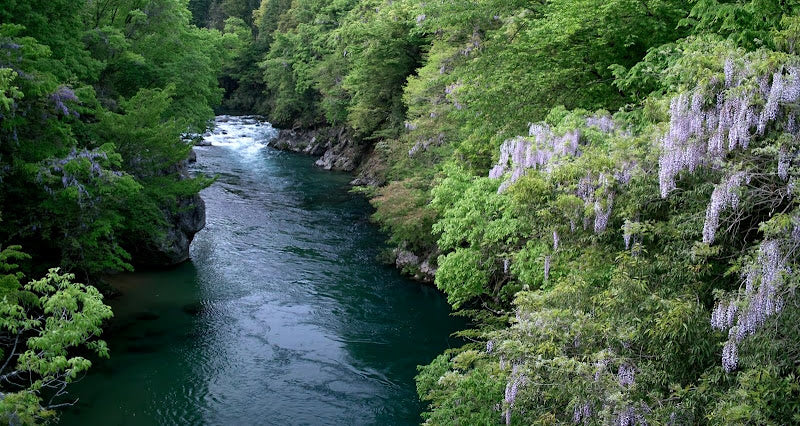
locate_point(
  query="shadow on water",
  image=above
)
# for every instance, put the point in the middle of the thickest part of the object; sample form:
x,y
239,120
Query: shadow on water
x,y
283,316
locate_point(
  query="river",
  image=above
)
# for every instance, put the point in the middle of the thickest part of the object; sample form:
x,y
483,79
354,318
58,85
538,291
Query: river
x,y
283,315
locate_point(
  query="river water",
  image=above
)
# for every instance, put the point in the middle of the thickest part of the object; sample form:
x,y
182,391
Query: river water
x,y
283,316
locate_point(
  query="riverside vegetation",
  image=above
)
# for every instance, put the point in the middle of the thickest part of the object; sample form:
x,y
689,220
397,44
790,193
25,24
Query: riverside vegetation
x,y
608,189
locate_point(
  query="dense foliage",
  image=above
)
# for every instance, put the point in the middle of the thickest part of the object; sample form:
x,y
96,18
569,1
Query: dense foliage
x,y
94,99
607,187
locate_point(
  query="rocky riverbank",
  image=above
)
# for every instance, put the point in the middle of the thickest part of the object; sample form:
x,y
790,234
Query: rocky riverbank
x,y
335,146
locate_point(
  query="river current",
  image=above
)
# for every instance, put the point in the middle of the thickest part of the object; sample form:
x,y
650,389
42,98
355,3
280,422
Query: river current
x,y
283,315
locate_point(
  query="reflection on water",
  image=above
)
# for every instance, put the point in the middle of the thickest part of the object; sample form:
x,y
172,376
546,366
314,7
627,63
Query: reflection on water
x,y
283,316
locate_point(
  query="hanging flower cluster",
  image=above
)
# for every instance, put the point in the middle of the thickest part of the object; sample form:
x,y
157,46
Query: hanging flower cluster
x,y
760,300
451,92
725,195
627,234
784,162
542,146
516,380
629,417
587,190
605,123
423,144
602,213
582,413
58,170
703,135
626,375
547,267
705,126
473,44
533,152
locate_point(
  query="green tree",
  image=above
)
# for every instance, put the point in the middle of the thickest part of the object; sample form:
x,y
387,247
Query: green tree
x,y
42,324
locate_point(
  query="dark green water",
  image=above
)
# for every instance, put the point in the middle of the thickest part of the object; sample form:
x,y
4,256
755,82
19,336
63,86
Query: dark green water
x,y
283,316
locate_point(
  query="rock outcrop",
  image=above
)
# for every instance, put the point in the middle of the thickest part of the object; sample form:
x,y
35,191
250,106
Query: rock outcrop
x,y
335,146
171,246
371,171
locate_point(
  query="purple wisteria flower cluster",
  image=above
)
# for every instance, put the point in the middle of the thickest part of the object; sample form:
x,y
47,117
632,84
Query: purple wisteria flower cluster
x,y
760,300
705,126
542,146
628,235
725,195
547,267
423,144
60,97
784,162
700,134
58,170
582,413
605,123
516,380
626,375
629,417
451,92
588,186
533,152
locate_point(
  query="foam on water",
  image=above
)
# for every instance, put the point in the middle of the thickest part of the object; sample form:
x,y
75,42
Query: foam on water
x,y
247,134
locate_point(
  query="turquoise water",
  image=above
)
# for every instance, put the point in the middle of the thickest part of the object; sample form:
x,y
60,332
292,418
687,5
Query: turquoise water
x,y
283,315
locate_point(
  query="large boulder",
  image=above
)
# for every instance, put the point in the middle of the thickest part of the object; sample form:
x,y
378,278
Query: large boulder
x,y
344,156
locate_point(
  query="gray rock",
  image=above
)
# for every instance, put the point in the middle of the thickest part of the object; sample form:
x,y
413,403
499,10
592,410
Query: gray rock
x,y
371,171
335,147
362,180
172,247
182,221
344,156
201,141
427,271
